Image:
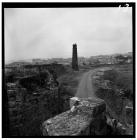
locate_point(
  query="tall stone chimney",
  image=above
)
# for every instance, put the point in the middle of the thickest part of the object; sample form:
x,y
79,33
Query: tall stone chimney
x,y
75,58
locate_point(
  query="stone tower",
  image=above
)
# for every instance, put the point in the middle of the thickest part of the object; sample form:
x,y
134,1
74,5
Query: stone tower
x,y
74,58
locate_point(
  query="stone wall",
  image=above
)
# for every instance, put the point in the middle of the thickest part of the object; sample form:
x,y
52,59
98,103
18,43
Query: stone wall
x,y
15,102
28,111
58,68
86,117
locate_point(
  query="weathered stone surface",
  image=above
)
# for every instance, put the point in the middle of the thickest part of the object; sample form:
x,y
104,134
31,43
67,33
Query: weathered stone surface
x,y
73,100
76,122
95,104
11,85
67,123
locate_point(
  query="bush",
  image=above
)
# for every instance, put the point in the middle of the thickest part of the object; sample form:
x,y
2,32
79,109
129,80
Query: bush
x,y
121,81
110,75
122,86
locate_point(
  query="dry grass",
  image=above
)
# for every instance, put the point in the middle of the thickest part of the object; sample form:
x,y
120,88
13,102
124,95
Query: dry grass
x,y
70,80
121,78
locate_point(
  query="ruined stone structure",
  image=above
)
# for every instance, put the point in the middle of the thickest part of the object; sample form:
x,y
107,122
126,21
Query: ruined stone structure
x,y
28,111
75,58
16,97
86,117
58,68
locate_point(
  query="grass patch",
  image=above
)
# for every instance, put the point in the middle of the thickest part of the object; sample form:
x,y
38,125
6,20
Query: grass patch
x,y
70,81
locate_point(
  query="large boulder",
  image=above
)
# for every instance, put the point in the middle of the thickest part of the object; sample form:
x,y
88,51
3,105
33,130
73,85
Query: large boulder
x,y
81,120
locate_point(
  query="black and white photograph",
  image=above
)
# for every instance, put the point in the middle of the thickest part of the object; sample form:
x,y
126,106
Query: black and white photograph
x,y
68,70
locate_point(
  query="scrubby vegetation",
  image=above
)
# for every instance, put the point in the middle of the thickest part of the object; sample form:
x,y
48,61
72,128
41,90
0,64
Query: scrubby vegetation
x,y
115,86
116,90
70,81
32,99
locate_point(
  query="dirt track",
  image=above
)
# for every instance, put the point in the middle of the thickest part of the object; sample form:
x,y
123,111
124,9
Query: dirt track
x,y
85,88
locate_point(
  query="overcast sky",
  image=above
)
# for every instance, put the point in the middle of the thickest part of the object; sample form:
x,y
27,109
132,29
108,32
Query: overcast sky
x,y
50,32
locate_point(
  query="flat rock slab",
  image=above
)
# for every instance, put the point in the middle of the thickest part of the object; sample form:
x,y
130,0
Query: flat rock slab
x,y
73,123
